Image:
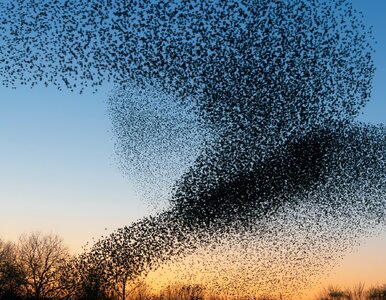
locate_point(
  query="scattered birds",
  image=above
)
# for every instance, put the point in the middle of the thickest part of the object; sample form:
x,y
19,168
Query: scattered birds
x,y
244,110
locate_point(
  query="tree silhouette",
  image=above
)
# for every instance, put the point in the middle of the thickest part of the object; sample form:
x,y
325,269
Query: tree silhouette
x,y
11,276
41,258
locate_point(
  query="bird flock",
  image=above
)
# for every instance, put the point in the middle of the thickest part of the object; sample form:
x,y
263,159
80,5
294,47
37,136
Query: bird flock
x,y
239,116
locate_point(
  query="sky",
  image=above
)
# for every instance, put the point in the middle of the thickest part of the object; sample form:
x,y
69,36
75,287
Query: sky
x,y
59,172
366,263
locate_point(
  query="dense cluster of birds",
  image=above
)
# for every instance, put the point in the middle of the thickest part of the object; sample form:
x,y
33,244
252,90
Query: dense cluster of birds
x,y
243,109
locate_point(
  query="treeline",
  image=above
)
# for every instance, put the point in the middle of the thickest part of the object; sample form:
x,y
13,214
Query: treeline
x,y
33,268
357,293
36,267
40,267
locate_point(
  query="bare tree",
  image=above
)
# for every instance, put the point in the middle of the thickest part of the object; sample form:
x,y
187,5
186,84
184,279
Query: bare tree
x,y
11,277
41,258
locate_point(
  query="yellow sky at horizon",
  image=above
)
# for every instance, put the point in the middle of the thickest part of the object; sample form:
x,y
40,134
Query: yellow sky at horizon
x,y
364,264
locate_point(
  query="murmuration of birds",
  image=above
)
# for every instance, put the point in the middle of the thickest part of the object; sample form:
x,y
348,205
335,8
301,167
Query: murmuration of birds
x,y
238,115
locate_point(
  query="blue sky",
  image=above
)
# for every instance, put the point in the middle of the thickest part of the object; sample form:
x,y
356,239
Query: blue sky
x,y
58,169
374,15
59,172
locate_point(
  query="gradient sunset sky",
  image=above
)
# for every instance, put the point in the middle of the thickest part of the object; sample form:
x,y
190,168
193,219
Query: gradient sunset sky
x,y
59,172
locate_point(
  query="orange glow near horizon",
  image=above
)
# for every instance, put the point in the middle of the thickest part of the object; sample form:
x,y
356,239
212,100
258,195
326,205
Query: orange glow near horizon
x,y
223,267
365,265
